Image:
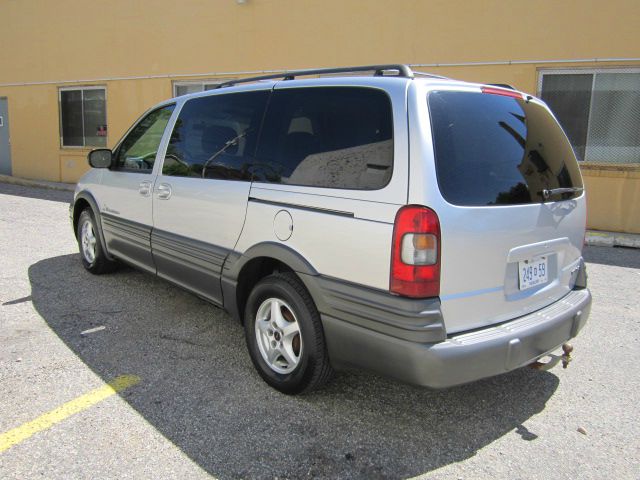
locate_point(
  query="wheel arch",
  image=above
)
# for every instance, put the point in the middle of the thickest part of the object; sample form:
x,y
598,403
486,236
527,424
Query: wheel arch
x,y
242,272
85,200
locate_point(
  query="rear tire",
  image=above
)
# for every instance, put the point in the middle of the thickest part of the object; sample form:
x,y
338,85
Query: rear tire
x,y
91,252
285,336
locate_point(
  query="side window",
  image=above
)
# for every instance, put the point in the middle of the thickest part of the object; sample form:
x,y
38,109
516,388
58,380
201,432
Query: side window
x,y
215,137
138,150
335,137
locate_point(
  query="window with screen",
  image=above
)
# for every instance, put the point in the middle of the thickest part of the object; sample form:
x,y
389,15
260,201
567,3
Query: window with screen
x,y
184,88
83,117
599,110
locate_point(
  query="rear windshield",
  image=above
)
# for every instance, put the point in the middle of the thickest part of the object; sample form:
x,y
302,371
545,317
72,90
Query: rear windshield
x,y
498,150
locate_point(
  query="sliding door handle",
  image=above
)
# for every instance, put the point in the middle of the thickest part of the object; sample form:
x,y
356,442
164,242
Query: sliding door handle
x,y
144,188
164,191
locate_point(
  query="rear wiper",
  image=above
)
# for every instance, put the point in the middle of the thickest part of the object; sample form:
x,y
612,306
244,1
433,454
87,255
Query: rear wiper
x,y
547,193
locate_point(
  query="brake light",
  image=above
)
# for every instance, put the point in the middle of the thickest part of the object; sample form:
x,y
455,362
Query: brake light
x,y
502,91
586,224
415,253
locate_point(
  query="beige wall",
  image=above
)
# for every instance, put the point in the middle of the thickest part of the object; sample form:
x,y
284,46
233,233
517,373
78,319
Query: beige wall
x,y
35,126
613,197
136,49
75,40
34,139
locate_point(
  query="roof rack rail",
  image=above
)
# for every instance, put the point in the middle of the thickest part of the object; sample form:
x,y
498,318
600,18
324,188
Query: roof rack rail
x,y
403,71
430,75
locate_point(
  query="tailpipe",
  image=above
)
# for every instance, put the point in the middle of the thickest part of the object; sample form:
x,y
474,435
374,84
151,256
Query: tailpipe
x,y
565,358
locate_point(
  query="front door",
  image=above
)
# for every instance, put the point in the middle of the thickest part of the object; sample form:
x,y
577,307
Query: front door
x,y
125,191
5,142
200,198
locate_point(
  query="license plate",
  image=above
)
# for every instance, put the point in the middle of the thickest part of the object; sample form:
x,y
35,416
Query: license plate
x,y
532,272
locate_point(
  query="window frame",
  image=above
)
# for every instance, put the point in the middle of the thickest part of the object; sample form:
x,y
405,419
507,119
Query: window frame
x,y
542,72
82,88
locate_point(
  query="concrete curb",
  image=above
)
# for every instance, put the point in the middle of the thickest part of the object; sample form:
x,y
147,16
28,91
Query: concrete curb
x,y
26,182
597,238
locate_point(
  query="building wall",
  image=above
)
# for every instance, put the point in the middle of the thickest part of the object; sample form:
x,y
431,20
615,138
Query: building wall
x,y
136,50
613,196
35,126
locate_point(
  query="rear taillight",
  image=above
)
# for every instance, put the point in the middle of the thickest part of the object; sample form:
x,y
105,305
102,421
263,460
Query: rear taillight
x,y
503,91
586,224
415,253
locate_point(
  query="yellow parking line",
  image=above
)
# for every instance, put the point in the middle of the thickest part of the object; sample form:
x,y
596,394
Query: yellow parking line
x,y
47,420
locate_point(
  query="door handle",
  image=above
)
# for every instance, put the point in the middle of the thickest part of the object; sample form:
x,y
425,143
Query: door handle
x,y
164,191
144,188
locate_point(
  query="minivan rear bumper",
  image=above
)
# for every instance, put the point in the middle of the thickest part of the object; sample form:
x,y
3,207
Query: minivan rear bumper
x,y
463,357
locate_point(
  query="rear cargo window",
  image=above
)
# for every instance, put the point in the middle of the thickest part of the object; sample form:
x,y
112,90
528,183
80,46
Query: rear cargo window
x,y
498,150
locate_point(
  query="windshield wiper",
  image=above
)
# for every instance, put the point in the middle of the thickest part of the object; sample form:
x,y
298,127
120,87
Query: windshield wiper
x,y
548,192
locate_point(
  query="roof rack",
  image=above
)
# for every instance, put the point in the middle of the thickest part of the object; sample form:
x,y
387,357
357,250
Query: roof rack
x,y
430,75
403,71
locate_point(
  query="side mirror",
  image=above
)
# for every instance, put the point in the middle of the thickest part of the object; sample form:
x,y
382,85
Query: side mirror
x,y
100,158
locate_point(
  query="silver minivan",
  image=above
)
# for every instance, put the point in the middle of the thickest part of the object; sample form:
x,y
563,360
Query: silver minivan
x,y
427,229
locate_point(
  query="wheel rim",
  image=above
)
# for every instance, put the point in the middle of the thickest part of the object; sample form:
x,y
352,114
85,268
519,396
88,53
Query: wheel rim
x,y
278,335
88,241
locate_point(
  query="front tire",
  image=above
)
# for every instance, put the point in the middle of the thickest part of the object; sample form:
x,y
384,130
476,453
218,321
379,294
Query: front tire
x,y
91,253
284,335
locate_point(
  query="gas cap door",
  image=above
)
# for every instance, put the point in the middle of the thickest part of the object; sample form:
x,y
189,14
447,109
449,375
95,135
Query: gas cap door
x,y
283,225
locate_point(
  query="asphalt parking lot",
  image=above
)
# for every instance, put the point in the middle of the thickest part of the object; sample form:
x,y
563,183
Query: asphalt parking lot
x,y
193,406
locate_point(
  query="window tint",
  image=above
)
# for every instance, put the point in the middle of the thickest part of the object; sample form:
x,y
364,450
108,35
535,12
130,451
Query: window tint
x,y
138,150
71,118
215,137
336,137
496,150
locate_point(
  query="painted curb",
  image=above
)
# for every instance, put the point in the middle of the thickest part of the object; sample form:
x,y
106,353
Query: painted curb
x,y
612,239
25,182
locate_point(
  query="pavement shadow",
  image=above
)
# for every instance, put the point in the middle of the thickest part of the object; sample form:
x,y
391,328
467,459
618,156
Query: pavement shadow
x,y
34,192
613,256
200,391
